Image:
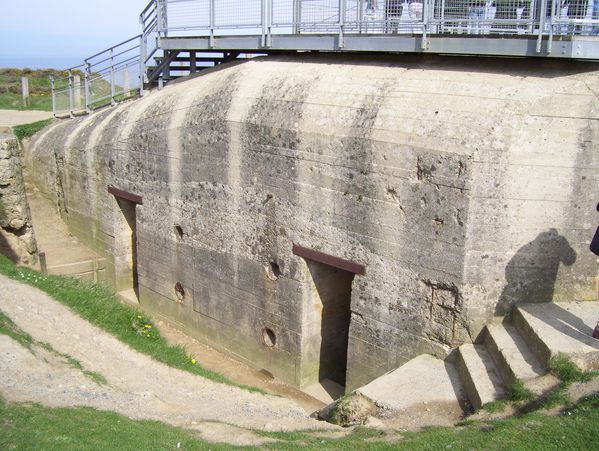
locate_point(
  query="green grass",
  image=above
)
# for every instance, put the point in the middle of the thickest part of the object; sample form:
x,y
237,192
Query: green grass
x,y
11,101
38,427
98,305
28,130
518,392
495,406
567,371
32,427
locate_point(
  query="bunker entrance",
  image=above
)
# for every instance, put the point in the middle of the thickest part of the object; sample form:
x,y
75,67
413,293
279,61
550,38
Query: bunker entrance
x,y
332,291
125,247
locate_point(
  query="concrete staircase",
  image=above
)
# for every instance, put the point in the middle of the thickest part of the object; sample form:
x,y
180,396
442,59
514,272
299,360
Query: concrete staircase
x,y
521,349
476,374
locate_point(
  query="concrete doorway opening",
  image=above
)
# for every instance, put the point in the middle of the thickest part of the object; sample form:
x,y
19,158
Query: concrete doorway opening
x,y
332,289
125,247
328,322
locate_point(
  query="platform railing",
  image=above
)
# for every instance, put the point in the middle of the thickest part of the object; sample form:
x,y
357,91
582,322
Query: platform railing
x,y
520,17
121,71
105,78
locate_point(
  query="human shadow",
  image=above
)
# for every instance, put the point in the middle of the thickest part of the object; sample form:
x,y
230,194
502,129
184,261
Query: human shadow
x,y
532,271
531,275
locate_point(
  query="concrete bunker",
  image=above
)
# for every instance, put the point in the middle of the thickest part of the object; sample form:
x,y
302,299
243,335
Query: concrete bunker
x,y
434,192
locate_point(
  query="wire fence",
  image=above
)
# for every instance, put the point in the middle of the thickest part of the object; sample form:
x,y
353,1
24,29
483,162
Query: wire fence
x,y
110,76
560,17
120,72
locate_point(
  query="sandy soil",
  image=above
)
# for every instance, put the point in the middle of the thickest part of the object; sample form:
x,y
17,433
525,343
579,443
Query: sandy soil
x,y
10,118
137,386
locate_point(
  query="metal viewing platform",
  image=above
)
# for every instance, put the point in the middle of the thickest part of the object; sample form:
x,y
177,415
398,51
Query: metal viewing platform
x,y
179,37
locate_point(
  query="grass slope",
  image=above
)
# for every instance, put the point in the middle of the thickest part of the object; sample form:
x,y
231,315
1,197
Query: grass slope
x,y
38,427
98,305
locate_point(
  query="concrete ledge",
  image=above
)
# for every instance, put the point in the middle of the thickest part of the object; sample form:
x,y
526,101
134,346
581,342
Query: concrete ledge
x,y
410,385
513,357
565,328
481,381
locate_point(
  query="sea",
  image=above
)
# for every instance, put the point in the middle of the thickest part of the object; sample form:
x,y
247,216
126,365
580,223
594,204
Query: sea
x,y
45,62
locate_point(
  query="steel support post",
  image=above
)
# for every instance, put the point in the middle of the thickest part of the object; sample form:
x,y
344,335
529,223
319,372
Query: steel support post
x,y
296,17
143,56
425,20
360,15
193,65
550,41
165,16
263,19
342,5
87,83
212,22
541,25
71,88
269,20
52,88
161,19
112,77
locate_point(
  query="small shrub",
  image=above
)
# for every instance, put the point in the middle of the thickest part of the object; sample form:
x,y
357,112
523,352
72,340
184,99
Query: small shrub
x,y
518,392
567,371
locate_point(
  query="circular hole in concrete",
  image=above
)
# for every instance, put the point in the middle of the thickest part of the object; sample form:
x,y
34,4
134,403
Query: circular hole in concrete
x,y
179,232
273,271
179,291
269,338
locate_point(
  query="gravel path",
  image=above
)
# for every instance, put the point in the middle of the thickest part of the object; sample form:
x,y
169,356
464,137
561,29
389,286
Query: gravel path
x,y
138,386
10,118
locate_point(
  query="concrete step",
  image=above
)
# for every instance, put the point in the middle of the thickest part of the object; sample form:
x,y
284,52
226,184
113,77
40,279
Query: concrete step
x,y
481,378
560,328
512,356
416,385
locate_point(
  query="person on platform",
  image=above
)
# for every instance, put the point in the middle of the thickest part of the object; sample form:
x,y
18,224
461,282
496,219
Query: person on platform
x,y
595,250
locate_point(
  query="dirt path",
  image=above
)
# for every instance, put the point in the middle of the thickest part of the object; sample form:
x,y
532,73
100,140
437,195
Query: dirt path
x,y
137,386
10,118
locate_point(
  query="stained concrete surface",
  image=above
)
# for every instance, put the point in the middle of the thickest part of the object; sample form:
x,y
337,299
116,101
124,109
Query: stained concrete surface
x,y
567,328
446,177
419,384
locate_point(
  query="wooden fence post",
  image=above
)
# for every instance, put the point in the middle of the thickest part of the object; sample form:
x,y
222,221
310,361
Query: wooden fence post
x,y
43,264
25,90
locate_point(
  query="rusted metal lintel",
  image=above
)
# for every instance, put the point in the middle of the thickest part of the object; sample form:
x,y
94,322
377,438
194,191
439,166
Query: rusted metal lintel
x,y
335,262
125,195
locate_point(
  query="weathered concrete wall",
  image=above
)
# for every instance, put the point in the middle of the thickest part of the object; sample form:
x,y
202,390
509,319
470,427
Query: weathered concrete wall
x,y
17,240
454,180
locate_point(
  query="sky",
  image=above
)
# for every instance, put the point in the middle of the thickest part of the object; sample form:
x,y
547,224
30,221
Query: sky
x,y
61,33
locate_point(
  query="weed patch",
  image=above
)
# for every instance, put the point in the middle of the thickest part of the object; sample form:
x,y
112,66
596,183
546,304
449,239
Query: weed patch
x,y
9,328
